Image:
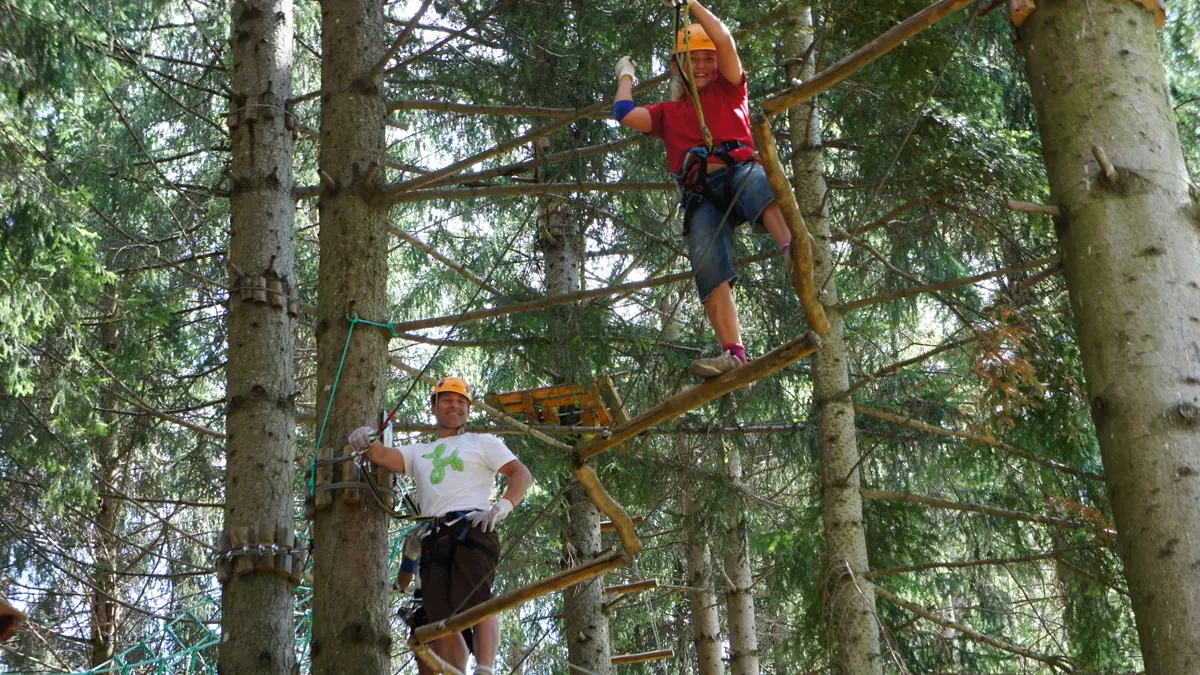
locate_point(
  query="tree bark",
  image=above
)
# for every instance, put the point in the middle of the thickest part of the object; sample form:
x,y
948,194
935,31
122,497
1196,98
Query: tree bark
x,y
851,600
706,622
351,632
257,628
743,629
1132,259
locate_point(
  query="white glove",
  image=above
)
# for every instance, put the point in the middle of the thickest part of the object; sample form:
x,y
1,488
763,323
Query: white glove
x,y
412,545
360,439
487,520
626,67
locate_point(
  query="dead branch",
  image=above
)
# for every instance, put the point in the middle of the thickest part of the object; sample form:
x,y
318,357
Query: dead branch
x,y
399,42
472,109
961,564
1054,661
445,260
1030,207
897,367
452,194
893,214
977,438
530,165
944,285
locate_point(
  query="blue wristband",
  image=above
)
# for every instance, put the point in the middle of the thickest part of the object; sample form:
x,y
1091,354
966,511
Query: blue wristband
x,y
408,565
621,109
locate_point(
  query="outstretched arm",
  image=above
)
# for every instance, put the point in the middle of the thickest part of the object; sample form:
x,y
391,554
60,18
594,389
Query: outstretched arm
x,y
728,61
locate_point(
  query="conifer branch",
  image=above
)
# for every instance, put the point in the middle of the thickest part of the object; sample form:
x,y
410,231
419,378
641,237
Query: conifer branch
x,y
1057,662
901,365
976,438
893,214
398,43
445,260
530,165
944,285
420,55
1051,555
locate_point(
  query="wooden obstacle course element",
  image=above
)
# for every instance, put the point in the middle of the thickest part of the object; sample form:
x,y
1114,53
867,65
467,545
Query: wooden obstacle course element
x,y
605,562
800,250
11,619
547,405
349,479
771,362
635,587
863,56
643,657
603,501
610,526
262,547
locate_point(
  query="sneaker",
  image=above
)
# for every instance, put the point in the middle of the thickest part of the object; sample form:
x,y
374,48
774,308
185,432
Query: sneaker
x,y
715,365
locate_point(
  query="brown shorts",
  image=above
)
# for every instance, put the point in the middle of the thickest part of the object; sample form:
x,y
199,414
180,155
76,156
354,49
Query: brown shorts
x,y
457,574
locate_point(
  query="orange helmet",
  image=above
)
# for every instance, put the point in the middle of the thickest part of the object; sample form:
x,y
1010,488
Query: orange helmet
x,y
696,38
454,384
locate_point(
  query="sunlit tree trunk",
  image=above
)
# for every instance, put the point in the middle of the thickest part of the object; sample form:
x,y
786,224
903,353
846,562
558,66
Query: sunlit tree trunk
x,y
350,619
1131,250
739,597
105,543
257,629
851,599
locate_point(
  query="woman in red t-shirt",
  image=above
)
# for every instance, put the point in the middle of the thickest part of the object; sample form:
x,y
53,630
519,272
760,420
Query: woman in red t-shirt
x,y
723,187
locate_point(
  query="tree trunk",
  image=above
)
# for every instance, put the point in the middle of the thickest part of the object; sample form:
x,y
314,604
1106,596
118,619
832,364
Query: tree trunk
x,y
105,544
257,628
1132,259
584,619
706,622
743,630
351,631
851,599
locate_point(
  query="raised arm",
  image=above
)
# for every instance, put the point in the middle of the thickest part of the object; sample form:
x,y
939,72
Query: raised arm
x,y
519,480
627,114
728,61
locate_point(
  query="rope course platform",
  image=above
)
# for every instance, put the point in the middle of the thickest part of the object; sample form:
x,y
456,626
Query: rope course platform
x,y
11,619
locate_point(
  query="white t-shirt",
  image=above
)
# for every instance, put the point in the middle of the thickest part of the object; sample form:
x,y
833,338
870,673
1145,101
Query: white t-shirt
x,y
455,473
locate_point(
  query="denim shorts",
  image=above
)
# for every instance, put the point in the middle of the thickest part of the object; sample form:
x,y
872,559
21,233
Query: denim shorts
x,y
710,234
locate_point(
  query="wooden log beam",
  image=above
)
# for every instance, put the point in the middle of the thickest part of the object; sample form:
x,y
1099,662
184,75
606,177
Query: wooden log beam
x,y
1057,662
771,362
11,619
977,438
635,587
605,562
1030,207
610,526
643,657
553,301
862,57
555,158
453,194
608,506
800,250
934,502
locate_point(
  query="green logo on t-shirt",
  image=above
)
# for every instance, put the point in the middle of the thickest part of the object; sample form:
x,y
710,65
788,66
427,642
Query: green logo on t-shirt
x,y
440,463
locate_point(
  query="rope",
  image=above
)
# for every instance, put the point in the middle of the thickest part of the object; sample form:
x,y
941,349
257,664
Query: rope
x,y
683,16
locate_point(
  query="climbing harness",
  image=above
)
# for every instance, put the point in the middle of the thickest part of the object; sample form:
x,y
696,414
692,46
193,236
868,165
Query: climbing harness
x,y
693,178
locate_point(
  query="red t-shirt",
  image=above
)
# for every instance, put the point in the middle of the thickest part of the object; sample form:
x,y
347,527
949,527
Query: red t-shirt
x,y
726,112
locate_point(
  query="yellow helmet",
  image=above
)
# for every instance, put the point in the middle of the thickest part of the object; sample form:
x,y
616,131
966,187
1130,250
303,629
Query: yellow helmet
x,y
697,38
454,384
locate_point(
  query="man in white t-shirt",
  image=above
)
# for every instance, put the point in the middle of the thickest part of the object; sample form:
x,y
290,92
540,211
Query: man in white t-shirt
x,y
454,477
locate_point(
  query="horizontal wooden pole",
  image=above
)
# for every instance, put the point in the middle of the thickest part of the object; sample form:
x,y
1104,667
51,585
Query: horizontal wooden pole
x,y
453,194
863,56
1030,207
605,562
472,109
635,587
660,655
555,300
530,165
771,362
